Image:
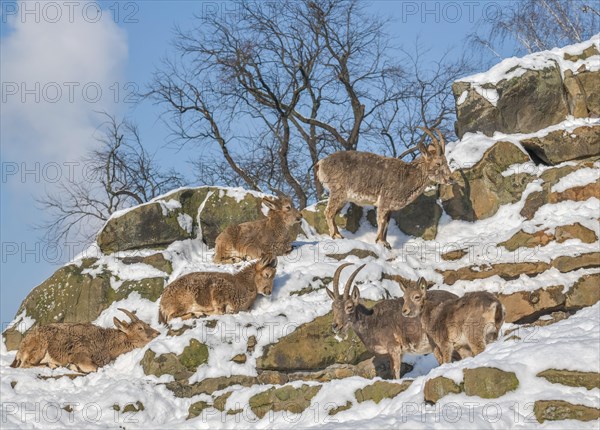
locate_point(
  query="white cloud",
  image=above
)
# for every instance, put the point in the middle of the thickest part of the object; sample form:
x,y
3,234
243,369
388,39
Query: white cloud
x,y
62,63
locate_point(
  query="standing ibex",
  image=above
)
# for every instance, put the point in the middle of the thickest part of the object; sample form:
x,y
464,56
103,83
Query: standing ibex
x,y
464,325
253,239
214,293
389,184
383,329
82,347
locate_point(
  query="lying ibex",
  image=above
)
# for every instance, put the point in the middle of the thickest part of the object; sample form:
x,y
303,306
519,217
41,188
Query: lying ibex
x,y
253,239
383,329
82,347
464,325
389,184
215,293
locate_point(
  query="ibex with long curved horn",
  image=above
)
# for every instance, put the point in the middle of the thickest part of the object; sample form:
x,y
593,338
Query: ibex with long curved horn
x,y
82,347
383,329
390,184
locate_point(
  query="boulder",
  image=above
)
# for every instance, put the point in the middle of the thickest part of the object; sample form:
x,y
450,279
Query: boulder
x,y
151,225
182,214
180,366
286,398
341,408
528,304
572,378
529,240
478,191
568,263
489,382
183,389
380,390
347,219
475,113
561,145
438,387
196,409
312,346
506,271
558,410
585,292
421,217
575,231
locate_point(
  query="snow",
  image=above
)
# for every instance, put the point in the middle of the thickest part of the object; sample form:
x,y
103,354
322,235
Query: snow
x,y
186,222
514,67
578,178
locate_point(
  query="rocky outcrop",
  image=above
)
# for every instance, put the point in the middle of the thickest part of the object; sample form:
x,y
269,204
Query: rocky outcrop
x,y
525,99
180,366
558,410
183,214
380,390
287,398
561,145
488,382
312,346
478,191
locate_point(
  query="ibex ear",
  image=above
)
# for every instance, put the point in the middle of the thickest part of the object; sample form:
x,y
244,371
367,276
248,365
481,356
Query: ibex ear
x,y
355,295
330,293
422,284
402,286
270,203
120,325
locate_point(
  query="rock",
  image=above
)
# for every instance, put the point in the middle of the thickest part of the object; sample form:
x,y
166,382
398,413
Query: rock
x,y
528,304
489,382
220,210
312,346
221,401
454,255
506,271
576,194
524,104
567,263
585,292
475,113
478,191
582,93
360,253
421,217
572,378
347,219
575,231
590,51
529,240
532,101
182,388
149,288
158,261
560,145
180,366
196,409
551,177
438,387
67,296
146,226
251,344
133,407
286,398
558,410
239,358
380,390
341,408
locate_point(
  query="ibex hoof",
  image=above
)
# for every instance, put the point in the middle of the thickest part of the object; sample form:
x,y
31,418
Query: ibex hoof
x,y
337,236
385,244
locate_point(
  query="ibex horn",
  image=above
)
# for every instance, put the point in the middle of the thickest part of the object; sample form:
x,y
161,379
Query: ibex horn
x,y
336,279
435,142
130,314
441,141
350,280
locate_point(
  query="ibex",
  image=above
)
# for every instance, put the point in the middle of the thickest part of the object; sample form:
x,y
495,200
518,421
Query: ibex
x,y
390,184
383,329
215,293
253,239
463,325
82,347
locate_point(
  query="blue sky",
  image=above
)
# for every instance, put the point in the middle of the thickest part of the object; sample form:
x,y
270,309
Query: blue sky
x,y
116,49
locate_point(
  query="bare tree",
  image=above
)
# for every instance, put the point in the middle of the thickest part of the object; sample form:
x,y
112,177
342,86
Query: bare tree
x,y
119,174
537,25
278,88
